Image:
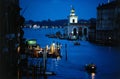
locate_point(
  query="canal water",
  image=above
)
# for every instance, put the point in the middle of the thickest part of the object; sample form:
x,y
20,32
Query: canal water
x,y
71,66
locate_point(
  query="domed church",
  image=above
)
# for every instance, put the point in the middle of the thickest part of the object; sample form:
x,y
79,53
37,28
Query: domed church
x,y
74,30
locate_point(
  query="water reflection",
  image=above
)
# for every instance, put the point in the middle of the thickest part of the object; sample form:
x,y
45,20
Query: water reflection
x,y
53,64
93,75
105,57
90,75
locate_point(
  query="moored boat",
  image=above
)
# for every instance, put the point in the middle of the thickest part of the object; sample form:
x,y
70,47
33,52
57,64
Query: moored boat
x,y
90,68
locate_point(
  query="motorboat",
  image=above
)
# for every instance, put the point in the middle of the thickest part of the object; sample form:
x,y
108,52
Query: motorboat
x,y
90,68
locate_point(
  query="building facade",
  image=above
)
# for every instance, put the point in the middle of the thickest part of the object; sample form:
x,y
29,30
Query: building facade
x,y
9,23
92,30
74,30
108,23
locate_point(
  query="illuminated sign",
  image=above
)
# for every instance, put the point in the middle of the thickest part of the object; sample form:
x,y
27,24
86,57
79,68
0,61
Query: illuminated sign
x,y
32,42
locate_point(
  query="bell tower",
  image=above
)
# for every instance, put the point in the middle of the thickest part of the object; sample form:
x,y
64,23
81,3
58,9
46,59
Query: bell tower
x,y
73,19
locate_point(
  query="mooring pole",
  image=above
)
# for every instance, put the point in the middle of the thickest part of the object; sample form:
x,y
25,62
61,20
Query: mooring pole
x,y
44,61
66,51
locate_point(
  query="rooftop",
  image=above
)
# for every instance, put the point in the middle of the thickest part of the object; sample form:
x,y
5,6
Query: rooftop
x,y
109,5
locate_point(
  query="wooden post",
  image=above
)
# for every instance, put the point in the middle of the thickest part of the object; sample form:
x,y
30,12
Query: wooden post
x,y
27,72
44,61
33,73
18,74
66,51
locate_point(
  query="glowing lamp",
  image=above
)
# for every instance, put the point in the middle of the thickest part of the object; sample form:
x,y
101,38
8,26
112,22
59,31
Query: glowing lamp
x,y
31,42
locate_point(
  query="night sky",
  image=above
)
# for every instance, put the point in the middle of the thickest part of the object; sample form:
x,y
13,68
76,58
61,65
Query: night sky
x,y
39,10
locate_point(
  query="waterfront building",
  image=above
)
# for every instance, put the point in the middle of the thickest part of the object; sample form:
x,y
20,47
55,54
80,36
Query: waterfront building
x,y
9,22
92,30
74,30
108,25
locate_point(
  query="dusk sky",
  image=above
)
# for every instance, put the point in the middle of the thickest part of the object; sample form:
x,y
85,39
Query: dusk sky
x,y
39,10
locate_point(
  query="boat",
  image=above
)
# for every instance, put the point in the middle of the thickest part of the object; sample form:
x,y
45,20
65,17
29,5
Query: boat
x,y
90,68
76,43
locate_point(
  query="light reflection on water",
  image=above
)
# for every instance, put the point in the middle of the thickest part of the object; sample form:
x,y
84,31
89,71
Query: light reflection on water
x,y
52,64
93,75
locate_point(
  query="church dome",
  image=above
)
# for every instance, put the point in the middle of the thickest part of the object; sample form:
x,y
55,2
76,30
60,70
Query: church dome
x,y
72,10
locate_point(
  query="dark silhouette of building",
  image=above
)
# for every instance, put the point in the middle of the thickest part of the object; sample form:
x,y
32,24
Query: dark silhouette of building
x,y
108,23
10,22
92,30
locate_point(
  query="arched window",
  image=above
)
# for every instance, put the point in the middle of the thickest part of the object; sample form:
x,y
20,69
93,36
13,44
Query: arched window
x,y
73,20
80,31
74,31
85,31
